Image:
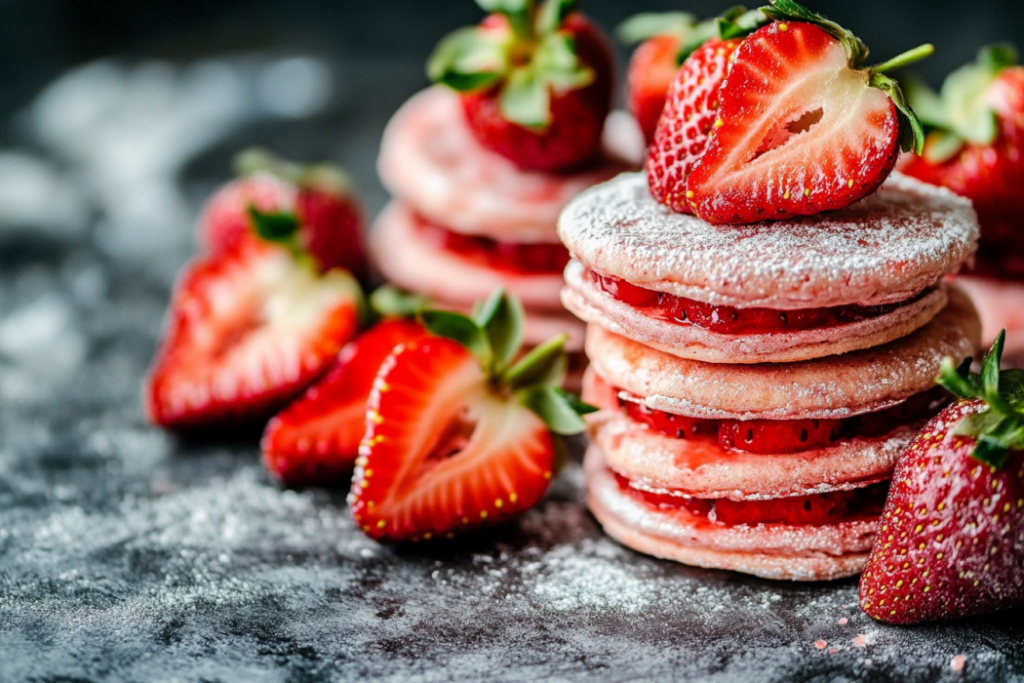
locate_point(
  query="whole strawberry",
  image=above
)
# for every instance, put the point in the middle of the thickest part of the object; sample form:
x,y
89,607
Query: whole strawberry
x,y
975,147
458,435
802,126
667,41
535,81
313,208
951,542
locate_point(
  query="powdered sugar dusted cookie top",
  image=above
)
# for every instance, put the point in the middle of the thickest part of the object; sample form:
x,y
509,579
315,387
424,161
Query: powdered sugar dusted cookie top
x,y
885,248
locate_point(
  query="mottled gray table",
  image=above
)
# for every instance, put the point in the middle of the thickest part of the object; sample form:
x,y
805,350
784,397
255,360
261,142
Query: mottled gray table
x,y
129,555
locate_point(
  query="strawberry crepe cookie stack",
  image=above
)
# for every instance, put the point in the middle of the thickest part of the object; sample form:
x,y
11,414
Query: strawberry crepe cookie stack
x,y
481,165
975,147
758,379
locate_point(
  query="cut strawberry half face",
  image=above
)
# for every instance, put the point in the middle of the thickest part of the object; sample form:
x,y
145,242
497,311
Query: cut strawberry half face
x,y
316,439
457,436
247,331
802,126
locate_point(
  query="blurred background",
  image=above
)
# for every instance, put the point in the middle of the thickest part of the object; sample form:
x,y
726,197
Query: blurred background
x,y
118,117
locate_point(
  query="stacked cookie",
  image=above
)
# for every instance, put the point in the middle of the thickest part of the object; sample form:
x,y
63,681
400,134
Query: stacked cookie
x,y
465,220
757,383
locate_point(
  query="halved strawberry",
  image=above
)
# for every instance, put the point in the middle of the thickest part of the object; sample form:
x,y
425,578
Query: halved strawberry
x,y
802,125
316,439
668,40
951,542
535,81
457,436
247,331
313,209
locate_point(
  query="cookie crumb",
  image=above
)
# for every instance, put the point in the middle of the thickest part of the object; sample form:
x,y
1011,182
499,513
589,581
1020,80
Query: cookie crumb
x,y
820,644
860,641
958,663
843,621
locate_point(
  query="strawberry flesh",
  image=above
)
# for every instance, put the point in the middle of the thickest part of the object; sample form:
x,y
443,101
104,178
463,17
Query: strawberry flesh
x,y
316,439
248,330
787,436
951,543
798,132
733,320
443,452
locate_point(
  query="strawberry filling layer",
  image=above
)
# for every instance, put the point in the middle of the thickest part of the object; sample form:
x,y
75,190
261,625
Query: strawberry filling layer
x,y
814,510
788,436
517,257
733,320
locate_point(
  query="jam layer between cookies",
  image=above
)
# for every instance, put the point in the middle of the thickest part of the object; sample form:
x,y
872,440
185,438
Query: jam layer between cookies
x,y
814,510
787,436
517,257
734,320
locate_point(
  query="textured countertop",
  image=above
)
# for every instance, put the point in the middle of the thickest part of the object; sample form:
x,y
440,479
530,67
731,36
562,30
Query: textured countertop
x,y
127,554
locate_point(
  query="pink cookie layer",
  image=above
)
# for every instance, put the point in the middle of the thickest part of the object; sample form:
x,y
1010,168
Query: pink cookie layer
x,y
825,388
885,248
659,463
775,551
584,298
430,160
410,261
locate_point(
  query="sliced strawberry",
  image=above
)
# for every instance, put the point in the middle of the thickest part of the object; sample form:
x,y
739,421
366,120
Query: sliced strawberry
x,y
454,432
951,542
247,331
311,209
536,82
802,125
316,439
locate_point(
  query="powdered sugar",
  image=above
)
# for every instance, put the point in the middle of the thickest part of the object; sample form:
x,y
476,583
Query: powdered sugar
x,y
883,249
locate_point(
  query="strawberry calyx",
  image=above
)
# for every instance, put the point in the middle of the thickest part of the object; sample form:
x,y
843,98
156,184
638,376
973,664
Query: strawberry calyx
x,y
526,62
390,302
960,112
321,177
911,130
1000,427
494,335
736,22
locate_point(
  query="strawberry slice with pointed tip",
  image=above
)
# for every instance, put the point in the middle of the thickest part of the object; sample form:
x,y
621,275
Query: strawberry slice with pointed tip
x,y
951,542
247,331
316,439
457,435
803,126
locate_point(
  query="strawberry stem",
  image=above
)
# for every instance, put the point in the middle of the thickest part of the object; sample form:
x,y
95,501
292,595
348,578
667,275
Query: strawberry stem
x,y
905,59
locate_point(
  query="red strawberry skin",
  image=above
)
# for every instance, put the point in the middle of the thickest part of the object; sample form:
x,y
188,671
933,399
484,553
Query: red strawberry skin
x,y
332,230
225,218
951,542
798,132
577,116
991,176
315,441
652,69
247,330
442,453
689,115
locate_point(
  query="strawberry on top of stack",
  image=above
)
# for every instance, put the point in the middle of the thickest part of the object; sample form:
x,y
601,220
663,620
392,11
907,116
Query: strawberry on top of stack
x,y
481,164
766,306
975,147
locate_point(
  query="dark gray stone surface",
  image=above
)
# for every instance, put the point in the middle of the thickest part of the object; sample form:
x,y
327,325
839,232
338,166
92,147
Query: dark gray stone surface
x,y
127,554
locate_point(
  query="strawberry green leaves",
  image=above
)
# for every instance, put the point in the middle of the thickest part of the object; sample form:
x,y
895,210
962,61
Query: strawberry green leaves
x,y
911,130
960,113
527,62
494,336
645,25
1000,428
